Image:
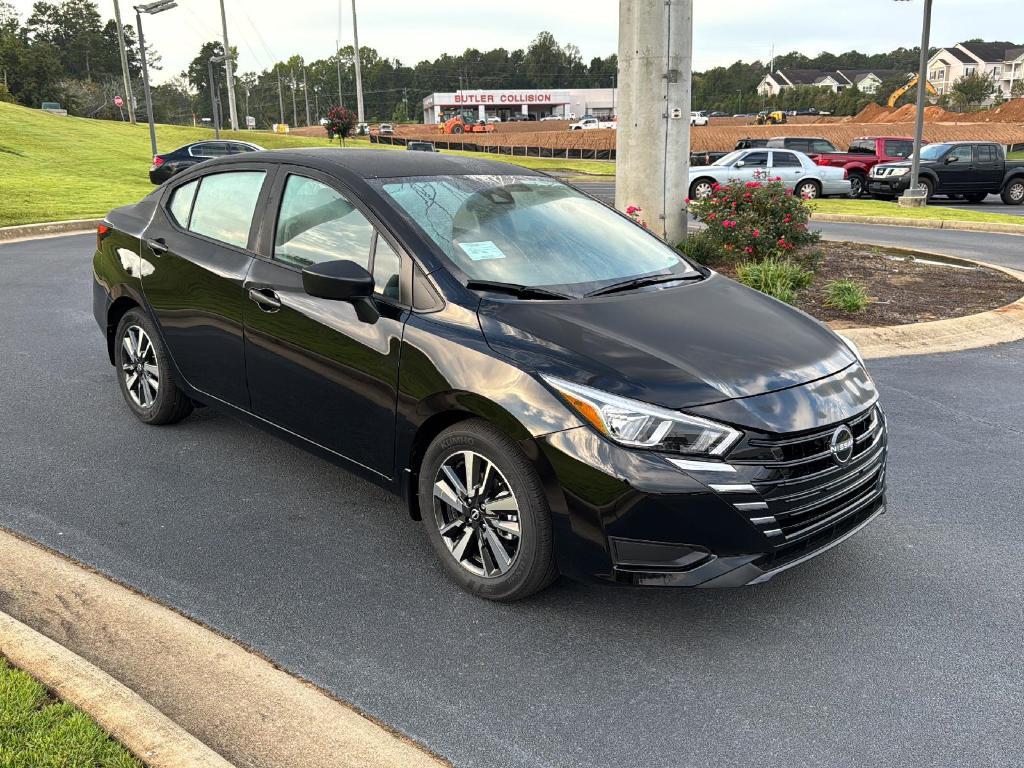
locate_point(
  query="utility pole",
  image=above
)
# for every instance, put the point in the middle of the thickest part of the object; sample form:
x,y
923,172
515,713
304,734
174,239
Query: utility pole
x,y
653,136
233,113
305,93
359,77
337,59
915,195
295,109
124,63
280,94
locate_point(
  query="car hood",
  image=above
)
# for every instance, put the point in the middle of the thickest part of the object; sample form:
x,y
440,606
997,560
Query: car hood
x,y
682,346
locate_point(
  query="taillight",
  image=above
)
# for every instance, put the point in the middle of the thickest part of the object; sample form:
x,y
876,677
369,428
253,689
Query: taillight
x,y
157,161
101,232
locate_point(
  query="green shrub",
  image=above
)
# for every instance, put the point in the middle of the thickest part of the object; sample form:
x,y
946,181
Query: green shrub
x,y
846,295
703,248
778,277
755,219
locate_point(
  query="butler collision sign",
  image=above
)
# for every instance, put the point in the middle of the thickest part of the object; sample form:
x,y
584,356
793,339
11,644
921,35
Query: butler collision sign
x,y
534,103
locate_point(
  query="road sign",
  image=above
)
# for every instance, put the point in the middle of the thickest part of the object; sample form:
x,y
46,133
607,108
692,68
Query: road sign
x,y
250,122
118,102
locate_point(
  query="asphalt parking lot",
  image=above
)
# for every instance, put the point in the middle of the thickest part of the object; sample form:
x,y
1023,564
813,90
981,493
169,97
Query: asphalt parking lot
x,y
901,647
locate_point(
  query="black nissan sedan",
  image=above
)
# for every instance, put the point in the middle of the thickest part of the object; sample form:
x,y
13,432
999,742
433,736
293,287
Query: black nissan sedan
x,y
170,163
549,387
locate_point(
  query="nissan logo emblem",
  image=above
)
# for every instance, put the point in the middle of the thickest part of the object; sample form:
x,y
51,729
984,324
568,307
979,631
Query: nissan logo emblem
x,y
842,444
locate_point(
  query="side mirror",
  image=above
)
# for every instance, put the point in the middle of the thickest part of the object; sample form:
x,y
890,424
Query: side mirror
x,y
952,159
342,280
740,163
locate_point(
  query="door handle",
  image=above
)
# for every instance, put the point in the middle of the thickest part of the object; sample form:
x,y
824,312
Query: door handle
x,y
157,246
265,298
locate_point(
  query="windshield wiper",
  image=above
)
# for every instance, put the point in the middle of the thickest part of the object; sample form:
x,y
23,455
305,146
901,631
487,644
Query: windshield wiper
x,y
515,289
640,282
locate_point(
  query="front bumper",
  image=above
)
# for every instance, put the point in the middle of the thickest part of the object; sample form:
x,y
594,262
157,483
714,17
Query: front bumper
x,y
888,186
641,518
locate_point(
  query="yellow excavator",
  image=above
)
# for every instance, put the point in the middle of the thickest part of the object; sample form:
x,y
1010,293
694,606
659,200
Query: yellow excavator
x,y
895,95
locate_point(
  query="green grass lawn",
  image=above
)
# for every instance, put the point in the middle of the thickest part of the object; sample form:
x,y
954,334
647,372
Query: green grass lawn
x,y
935,212
56,168
1019,155
38,732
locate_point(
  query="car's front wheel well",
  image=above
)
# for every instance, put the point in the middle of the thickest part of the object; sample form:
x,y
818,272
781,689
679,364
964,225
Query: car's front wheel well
x,y
117,310
425,435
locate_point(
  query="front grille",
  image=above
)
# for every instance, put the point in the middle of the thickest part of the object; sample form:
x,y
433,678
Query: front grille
x,y
801,490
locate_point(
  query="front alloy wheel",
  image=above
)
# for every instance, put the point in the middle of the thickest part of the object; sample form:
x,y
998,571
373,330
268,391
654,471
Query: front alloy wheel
x,y
476,514
701,189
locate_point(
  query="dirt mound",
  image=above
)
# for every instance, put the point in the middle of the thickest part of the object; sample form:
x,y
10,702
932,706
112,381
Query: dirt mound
x,y
872,113
1010,112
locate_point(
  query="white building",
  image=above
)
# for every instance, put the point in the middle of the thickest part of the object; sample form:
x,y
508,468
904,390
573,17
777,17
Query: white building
x,y
1003,61
866,80
568,103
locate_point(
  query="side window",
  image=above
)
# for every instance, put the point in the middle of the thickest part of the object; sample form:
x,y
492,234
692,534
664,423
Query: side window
x,y
316,223
899,148
821,146
800,145
238,149
385,269
210,149
756,160
785,159
181,202
985,153
962,154
225,205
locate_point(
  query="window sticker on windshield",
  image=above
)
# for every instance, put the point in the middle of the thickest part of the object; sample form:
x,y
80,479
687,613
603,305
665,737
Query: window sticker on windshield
x,y
482,250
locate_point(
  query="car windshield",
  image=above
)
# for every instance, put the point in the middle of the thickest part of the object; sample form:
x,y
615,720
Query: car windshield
x,y
530,231
731,158
933,151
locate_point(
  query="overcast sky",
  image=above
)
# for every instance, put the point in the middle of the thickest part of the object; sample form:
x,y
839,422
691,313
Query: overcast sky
x,y
413,30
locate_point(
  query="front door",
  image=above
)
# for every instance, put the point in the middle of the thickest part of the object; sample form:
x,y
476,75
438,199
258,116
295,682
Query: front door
x,y
754,168
314,367
957,172
196,254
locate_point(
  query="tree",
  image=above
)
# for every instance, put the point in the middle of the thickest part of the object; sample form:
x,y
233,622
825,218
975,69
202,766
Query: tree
x,y
198,77
972,90
340,122
1017,90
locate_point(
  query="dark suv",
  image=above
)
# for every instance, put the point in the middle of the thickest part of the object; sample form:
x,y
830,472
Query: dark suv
x,y
974,169
168,164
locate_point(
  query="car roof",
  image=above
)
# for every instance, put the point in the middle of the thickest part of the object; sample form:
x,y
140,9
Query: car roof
x,y
378,163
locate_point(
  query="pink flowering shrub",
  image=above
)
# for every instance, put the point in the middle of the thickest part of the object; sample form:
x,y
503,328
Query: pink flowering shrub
x,y
754,219
634,211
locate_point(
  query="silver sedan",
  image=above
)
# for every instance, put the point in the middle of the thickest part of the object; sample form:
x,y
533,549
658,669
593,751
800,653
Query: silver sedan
x,y
797,171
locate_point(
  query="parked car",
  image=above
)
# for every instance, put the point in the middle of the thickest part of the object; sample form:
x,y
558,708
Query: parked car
x,y
749,143
552,117
809,145
494,119
170,163
549,386
705,158
698,118
975,169
386,129
719,114
864,154
421,146
796,170
591,123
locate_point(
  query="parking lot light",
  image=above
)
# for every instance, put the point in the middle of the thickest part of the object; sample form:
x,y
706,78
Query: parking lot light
x,y
151,8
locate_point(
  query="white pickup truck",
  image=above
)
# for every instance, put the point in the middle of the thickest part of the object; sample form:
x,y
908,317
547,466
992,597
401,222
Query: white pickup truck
x,y
590,123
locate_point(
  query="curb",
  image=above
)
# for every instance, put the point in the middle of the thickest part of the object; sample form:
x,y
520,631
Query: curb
x,y
47,229
895,221
146,732
984,329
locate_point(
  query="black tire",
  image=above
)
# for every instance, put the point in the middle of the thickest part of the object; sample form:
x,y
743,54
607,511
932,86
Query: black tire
x,y
532,566
1013,192
975,197
808,189
858,184
457,129
163,403
701,183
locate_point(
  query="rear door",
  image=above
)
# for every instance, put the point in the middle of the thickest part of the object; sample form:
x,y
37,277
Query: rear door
x,y
988,167
313,366
198,246
786,166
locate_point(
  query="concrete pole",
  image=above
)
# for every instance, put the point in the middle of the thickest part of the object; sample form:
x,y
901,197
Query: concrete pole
x,y
915,195
359,76
229,66
653,137
337,61
280,95
124,63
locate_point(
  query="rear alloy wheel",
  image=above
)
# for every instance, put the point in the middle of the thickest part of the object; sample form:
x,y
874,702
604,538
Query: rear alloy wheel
x,y
1013,194
808,190
141,363
701,189
486,513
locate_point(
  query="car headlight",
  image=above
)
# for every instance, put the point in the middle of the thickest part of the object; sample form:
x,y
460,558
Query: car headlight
x,y
899,171
853,348
640,425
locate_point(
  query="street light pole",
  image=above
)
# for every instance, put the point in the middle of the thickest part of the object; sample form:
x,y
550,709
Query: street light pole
x,y
124,63
359,76
916,195
151,8
229,66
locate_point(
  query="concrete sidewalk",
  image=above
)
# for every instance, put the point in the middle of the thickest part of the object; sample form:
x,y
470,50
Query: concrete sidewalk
x,y
233,701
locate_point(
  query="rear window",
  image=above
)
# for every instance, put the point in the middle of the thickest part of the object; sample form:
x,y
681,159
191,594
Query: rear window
x,y
225,204
865,146
895,148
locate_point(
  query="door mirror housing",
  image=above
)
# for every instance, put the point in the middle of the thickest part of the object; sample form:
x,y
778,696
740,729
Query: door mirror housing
x,y
952,159
342,280
740,163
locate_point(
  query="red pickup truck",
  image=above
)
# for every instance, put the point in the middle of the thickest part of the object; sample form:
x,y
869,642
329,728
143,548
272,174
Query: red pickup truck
x,y
864,154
